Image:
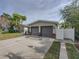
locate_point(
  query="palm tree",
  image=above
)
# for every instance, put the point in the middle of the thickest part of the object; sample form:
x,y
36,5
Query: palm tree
x,y
17,19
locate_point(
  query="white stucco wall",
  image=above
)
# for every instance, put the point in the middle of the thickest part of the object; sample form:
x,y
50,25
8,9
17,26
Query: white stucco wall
x,y
69,33
54,31
59,34
26,30
65,33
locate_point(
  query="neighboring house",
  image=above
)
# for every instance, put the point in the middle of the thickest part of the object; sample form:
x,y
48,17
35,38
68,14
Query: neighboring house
x,y
22,27
4,23
43,28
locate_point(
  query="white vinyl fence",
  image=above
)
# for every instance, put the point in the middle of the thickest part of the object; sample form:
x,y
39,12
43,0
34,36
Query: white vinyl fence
x,y
65,33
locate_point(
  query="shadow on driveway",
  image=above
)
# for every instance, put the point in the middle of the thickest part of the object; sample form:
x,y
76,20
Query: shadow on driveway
x,y
11,55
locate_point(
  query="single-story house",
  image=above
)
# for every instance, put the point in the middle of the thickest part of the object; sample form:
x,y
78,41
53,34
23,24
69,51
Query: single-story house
x,y
43,28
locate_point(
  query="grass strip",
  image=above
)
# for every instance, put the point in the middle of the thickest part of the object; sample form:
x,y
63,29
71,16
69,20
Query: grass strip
x,y
9,35
71,51
53,52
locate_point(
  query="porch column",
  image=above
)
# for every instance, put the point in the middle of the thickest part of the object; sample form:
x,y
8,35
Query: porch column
x,y
39,29
30,29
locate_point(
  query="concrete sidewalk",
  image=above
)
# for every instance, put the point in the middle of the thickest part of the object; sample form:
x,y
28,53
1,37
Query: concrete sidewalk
x,y
63,52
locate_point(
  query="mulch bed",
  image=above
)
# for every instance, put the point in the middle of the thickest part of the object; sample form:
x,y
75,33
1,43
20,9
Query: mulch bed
x,y
77,46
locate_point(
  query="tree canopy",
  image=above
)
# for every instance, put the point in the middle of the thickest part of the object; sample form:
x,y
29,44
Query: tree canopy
x,y
15,20
70,14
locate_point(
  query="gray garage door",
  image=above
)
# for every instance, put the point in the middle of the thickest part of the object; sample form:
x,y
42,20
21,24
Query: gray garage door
x,y
47,31
35,30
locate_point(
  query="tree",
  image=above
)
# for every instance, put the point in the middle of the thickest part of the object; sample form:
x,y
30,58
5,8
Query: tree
x,y
70,14
7,16
15,20
5,21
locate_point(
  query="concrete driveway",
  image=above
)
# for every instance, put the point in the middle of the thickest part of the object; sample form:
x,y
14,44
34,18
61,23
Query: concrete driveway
x,y
25,47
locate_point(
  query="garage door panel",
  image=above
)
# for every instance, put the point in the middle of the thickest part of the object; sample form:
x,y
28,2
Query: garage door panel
x,y
47,31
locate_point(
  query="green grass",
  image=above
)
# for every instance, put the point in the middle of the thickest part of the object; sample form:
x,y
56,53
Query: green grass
x,y
71,51
0,30
53,52
9,35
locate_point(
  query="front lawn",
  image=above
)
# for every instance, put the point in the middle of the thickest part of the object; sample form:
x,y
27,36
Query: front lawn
x,y
53,52
71,51
9,35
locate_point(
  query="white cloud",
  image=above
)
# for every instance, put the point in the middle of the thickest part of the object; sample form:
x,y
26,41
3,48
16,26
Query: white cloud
x,y
35,9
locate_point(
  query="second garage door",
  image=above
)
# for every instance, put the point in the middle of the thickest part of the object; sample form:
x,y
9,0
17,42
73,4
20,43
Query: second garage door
x,y
47,31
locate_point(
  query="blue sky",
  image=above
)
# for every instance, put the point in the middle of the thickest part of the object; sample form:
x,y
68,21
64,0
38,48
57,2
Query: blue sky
x,y
34,9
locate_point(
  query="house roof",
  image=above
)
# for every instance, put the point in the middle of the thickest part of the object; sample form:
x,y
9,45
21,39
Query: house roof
x,y
54,22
